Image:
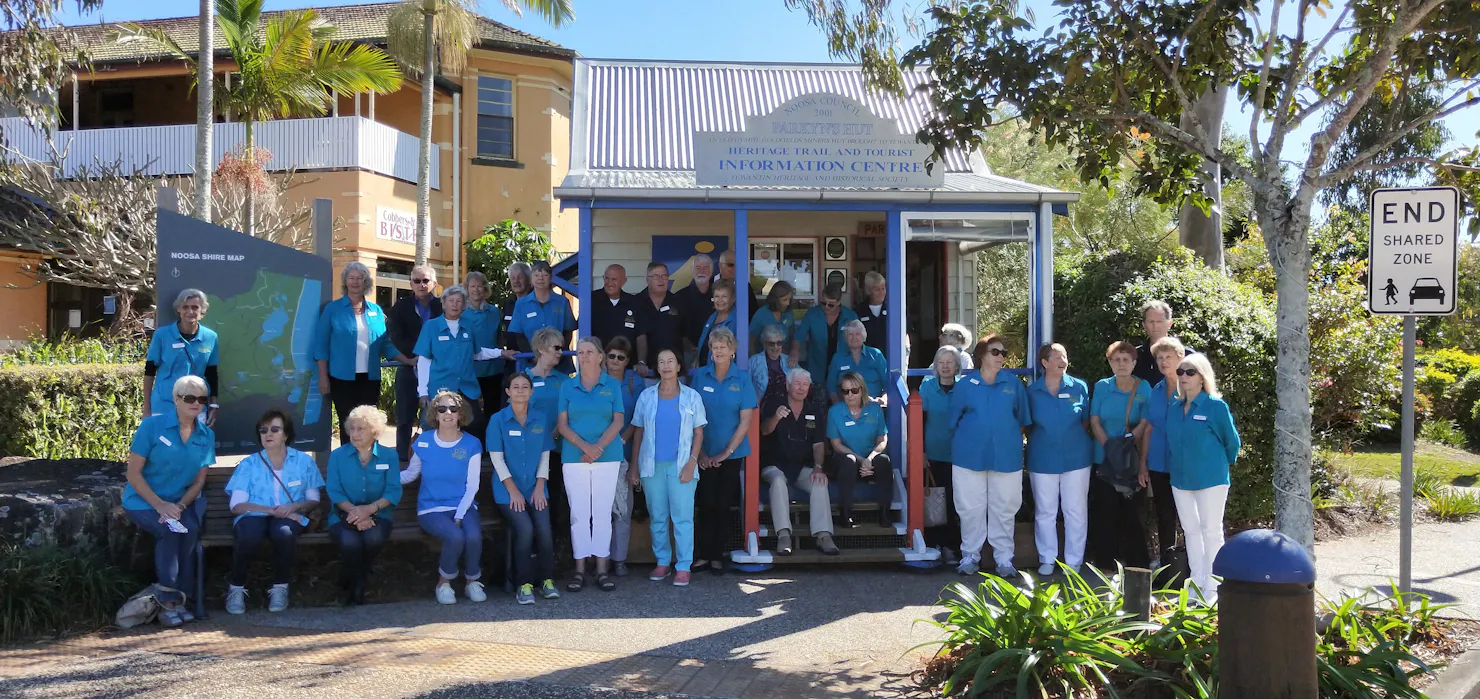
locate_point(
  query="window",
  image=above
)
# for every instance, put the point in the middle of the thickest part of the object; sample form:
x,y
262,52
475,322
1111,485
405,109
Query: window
x,y
496,118
790,260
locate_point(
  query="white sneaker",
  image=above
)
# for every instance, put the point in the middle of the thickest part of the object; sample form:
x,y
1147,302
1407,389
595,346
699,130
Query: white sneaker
x,y
970,565
445,595
236,600
475,592
277,598
1047,569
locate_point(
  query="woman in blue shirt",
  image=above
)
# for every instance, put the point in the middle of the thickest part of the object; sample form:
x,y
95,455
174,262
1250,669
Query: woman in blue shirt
x,y
819,334
859,435
768,369
669,421
349,341
486,320
935,399
446,350
1117,407
1059,452
549,351
777,311
591,420
182,348
1204,444
722,317
729,405
364,487
1155,453
449,462
166,469
519,446
270,491
618,364
988,414
856,356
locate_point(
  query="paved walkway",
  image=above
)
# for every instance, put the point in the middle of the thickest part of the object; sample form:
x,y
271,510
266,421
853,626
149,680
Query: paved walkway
x,y
1446,564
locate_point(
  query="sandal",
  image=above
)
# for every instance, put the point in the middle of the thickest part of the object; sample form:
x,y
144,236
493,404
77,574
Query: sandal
x,y
577,581
605,582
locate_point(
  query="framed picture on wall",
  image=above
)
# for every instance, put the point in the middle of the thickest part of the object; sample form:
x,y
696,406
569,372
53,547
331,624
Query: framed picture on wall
x,y
836,275
836,249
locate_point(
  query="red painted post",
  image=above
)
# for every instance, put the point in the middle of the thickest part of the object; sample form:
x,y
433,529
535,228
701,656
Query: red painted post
x,y
915,481
753,485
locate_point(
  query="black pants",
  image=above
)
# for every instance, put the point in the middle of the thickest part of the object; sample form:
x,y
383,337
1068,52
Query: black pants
x,y
348,395
408,409
845,468
1166,514
493,401
948,534
250,531
717,492
358,549
1117,533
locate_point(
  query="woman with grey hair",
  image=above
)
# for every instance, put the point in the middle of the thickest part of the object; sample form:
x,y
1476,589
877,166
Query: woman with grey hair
x,y
768,369
729,404
935,396
958,337
182,348
348,343
856,356
445,353
484,318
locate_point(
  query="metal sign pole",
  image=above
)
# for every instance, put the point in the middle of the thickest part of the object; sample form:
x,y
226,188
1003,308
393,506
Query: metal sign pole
x,y
322,228
1405,532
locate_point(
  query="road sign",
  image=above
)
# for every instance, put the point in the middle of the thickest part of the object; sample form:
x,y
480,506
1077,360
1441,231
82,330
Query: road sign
x,y
1412,266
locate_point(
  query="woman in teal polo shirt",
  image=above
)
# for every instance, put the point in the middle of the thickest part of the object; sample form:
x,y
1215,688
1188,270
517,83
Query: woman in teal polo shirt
x,y
722,317
988,414
856,356
166,470
1059,453
935,397
729,405
669,419
182,348
1117,407
486,319
1204,445
859,435
547,378
349,341
591,416
445,352
519,445
1156,453
777,311
364,487
819,334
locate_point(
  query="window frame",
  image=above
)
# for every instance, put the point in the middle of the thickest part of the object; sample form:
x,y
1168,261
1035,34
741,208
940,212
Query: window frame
x,y
478,115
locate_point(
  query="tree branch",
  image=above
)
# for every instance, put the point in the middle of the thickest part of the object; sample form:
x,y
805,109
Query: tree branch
x,y
1258,102
1361,160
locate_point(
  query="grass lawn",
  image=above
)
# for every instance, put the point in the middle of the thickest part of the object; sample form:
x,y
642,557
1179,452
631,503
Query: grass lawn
x,y
1456,466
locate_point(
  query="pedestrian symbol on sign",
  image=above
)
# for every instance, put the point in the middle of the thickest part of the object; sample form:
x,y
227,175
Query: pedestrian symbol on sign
x,y
1392,292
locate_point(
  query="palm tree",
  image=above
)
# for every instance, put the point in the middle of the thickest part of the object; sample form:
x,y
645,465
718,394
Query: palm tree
x,y
428,32
288,67
205,121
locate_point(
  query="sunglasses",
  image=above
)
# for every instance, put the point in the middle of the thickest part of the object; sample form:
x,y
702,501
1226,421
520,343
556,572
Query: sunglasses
x,y
447,408
1186,372
269,429
852,391
421,281
834,304
774,343
192,400
617,357
997,352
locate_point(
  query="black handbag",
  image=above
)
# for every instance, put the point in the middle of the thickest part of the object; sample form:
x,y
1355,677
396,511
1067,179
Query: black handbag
x,y
1122,465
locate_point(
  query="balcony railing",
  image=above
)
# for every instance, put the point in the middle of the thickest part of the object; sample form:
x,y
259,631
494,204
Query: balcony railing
x,y
302,144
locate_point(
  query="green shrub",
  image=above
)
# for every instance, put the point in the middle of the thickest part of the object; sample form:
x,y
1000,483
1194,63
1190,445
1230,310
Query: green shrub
x,y
1453,504
1445,432
70,412
50,591
1461,399
503,244
1427,483
71,350
1365,650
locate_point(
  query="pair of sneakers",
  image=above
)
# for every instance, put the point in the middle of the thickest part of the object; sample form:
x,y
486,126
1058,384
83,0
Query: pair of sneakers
x,y
236,599
525,595
971,565
474,591
175,616
680,578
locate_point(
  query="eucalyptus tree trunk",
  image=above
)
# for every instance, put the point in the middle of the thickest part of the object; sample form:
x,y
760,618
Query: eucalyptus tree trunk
x,y
205,122
249,198
1286,225
424,161
1203,233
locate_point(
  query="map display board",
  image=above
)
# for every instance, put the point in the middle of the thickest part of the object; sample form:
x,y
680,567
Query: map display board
x,y
264,301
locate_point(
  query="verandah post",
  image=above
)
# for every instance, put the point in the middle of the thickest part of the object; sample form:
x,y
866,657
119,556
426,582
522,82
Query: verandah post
x,y
752,511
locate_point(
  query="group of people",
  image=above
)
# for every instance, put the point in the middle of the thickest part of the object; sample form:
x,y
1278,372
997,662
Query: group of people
x,y
657,400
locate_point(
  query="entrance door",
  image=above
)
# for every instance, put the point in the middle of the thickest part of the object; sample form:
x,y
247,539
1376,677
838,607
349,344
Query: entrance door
x,y
925,296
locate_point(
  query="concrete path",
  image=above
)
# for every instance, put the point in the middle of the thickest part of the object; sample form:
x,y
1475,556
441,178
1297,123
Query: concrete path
x,y
1446,564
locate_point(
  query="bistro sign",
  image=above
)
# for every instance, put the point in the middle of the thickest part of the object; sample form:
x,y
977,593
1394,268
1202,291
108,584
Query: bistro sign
x,y
816,140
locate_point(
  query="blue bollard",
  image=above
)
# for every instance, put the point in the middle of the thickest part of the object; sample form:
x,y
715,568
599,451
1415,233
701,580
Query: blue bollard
x,y
1266,618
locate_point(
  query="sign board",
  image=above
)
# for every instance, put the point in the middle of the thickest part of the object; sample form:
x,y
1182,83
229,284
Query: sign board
x,y
264,301
1412,256
395,225
816,140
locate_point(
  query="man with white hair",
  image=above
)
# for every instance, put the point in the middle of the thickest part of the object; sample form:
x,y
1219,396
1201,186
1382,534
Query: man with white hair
x,y
614,312
793,429
727,271
695,303
873,311
407,317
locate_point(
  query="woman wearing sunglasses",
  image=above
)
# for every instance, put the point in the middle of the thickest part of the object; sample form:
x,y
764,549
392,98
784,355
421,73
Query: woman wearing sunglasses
x,y
768,369
618,363
722,317
549,350
270,493
776,311
519,445
1117,407
449,463
166,470
820,334
591,419
1156,458
1204,444
1059,452
988,415
364,487
859,435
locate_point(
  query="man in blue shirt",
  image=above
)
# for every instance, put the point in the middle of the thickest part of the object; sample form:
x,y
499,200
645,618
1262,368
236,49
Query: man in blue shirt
x,y
407,317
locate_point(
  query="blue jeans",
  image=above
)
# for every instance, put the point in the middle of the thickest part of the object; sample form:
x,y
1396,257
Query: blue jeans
x,y
358,549
174,554
669,499
465,544
250,531
532,537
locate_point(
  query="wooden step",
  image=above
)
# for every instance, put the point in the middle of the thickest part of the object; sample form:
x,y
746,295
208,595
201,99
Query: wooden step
x,y
811,556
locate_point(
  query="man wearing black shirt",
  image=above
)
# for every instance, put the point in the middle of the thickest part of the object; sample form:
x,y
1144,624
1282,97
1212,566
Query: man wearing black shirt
x,y
406,319
696,304
873,311
614,314
657,321
793,429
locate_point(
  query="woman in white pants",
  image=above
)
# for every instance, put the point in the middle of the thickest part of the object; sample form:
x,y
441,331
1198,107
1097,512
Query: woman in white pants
x,y
1059,452
591,418
988,414
1204,444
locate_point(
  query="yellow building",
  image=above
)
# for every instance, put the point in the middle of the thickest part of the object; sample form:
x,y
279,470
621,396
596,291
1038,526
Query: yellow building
x,y
502,131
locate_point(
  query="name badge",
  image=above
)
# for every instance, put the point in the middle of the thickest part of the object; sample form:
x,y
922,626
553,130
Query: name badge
x,y
515,433
178,345
1200,417
382,467
883,313
537,384
809,417
1064,395
464,336
167,442
845,368
849,423
443,338
423,445
294,484
372,314
709,389
531,314
663,309
976,382
508,317
630,324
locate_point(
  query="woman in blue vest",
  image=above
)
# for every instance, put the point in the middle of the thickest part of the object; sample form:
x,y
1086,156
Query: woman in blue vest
x,y
988,414
445,353
619,358
859,436
449,463
182,348
856,356
935,398
1204,445
166,470
519,444
1059,453
349,341
776,311
819,334
1117,407
591,420
722,317
729,406
364,486
270,493
669,424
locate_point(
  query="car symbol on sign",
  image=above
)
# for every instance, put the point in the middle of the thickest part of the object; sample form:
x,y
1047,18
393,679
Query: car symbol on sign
x,y
1426,288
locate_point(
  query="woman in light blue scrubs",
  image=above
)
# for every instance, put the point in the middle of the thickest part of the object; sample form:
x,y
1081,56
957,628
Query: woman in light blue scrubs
x,y
182,348
669,419
545,375
1204,445
1059,451
935,397
445,353
777,311
729,404
349,341
166,470
519,445
1156,459
591,420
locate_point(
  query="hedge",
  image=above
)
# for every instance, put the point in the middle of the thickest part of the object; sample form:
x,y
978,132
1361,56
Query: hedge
x,y
70,411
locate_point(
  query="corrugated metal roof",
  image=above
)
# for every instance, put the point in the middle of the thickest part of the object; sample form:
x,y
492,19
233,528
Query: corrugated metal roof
x,y
959,187
642,115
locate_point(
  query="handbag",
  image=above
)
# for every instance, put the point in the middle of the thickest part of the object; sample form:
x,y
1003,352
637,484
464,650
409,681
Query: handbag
x,y
1122,465
303,520
935,501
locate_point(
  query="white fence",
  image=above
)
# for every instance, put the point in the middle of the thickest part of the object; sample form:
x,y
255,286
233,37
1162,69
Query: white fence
x,y
302,144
